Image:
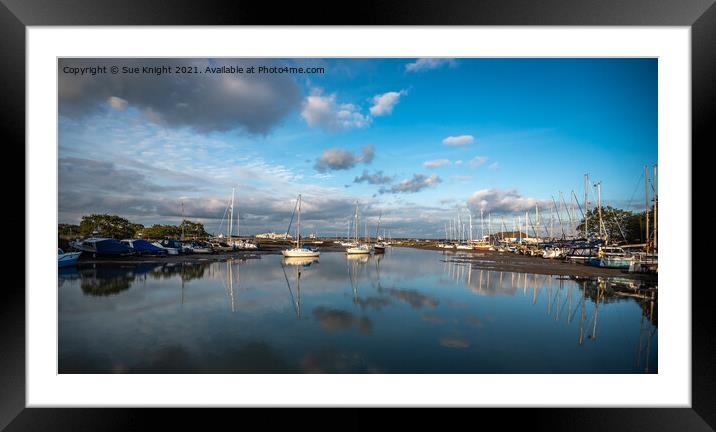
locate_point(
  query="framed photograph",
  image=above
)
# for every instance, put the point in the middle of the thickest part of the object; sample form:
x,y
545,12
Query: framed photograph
x,y
394,212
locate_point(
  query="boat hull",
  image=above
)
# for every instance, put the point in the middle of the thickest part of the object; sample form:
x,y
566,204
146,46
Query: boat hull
x,y
616,263
357,251
300,253
68,259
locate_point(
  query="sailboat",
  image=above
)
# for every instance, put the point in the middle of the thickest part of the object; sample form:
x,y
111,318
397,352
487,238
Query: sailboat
x,y
299,251
359,248
379,246
237,244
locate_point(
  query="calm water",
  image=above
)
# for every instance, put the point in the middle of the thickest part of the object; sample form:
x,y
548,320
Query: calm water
x,y
408,311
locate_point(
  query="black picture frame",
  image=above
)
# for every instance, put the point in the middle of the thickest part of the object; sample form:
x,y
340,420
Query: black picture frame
x,y
699,15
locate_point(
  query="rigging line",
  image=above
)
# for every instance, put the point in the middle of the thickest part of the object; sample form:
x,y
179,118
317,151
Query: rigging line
x,y
638,182
578,206
529,221
288,230
614,213
226,210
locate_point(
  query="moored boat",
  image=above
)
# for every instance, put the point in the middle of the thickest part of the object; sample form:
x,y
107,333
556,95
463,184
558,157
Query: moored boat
x,y
196,247
143,247
101,246
68,259
359,249
169,250
298,251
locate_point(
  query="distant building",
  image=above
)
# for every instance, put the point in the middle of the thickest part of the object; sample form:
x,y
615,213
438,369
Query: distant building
x,y
274,236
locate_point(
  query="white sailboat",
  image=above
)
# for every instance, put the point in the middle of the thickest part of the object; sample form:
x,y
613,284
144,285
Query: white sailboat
x,y
298,251
237,244
359,248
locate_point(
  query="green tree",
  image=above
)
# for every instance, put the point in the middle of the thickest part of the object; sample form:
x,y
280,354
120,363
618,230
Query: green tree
x,y
68,230
158,231
193,229
109,226
621,226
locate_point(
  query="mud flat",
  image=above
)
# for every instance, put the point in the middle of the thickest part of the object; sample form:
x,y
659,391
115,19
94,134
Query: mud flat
x,y
509,262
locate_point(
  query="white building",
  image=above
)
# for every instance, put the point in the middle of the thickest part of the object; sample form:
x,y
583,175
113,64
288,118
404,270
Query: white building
x,y
274,236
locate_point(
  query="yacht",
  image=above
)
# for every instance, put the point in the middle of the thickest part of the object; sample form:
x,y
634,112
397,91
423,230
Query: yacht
x,y
298,251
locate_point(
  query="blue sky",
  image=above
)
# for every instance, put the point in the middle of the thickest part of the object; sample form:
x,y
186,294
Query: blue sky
x,y
413,140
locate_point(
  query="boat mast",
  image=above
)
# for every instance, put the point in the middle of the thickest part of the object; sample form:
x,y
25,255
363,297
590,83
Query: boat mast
x,y
470,215
377,230
355,223
586,206
238,232
602,230
182,220
231,212
298,226
655,207
646,197
572,228
489,226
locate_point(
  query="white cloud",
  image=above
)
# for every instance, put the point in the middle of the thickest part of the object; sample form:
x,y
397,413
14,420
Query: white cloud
x,y
459,140
477,161
436,163
494,166
428,63
326,112
383,103
117,103
416,184
342,159
503,201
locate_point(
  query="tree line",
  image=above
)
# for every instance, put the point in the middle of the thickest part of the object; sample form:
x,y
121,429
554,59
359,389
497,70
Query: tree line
x,y
620,226
117,227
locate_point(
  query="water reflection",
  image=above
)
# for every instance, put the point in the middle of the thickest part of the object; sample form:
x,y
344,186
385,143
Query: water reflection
x,y
406,311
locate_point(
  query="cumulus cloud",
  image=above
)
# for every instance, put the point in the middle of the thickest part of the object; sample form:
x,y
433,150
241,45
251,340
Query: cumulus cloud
x,y
424,64
415,184
204,102
477,161
436,163
503,201
375,178
383,103
342,159
325,112
458,140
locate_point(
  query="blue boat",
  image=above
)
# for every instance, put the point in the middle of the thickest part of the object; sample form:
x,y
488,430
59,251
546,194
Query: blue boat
x,y
68,259
99,246
143,247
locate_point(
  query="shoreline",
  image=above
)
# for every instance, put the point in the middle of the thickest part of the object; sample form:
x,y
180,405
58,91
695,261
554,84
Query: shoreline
x,y
482,260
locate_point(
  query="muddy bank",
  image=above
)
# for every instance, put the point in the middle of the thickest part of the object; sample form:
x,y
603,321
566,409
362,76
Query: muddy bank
x,y
509,262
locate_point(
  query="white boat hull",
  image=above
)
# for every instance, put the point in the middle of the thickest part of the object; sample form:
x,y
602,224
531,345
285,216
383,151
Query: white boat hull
x,y
358,250
300,253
